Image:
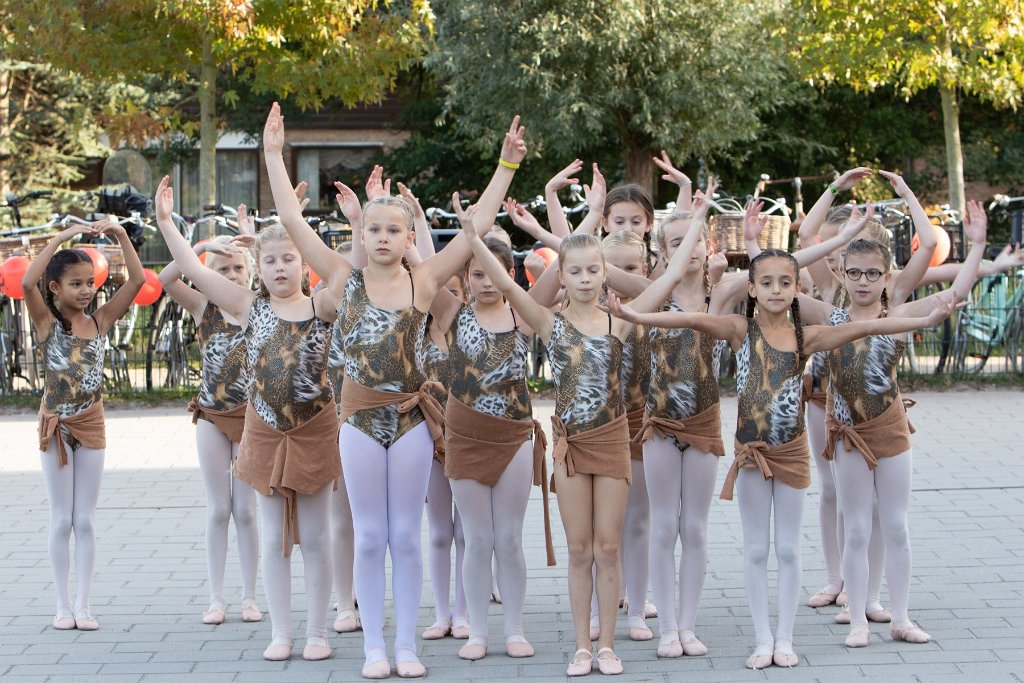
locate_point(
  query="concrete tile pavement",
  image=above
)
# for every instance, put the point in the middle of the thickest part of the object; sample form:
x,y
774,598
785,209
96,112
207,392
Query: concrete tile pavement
x,y
150,587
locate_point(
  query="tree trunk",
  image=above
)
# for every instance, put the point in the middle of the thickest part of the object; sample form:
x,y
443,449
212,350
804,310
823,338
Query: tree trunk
x,y
207,126
639,167
6,133
954,153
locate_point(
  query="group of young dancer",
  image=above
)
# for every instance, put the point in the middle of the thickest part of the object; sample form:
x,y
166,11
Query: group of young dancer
x,y
401,379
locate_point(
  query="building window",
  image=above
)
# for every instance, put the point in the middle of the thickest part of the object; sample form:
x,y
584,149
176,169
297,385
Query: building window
x,y
321,164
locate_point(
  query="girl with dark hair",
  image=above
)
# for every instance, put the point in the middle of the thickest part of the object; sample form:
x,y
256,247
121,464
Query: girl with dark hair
x,y
772,465
59,286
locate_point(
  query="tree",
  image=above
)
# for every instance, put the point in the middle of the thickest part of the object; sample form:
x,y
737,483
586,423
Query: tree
x,y
308,50
688,77
973,47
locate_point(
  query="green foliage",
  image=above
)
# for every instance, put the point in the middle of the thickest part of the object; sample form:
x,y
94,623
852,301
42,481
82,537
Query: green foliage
x,y
690,78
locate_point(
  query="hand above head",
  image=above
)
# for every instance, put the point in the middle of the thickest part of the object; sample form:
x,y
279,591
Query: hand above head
x,y
513,147
702,200
753,222
596,192
164,199
375,185
224,245
671,173
899,185
273,131
850,178
348,202
75,230
409,197
521,218
565,177
300,194
857,221
1010,257
108,227
465,217
975,222
246,222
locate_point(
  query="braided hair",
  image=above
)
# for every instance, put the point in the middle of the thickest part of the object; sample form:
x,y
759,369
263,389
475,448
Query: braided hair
x,y
637,195
794,307
55,269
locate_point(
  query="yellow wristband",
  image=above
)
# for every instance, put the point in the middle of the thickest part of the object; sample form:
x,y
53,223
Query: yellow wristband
x,y
508,164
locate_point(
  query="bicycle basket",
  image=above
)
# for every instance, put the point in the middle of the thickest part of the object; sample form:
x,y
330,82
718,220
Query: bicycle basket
x,y
22,246
726,230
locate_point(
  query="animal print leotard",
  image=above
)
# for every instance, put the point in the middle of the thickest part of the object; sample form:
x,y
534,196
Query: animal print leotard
x,y
769,384
381,351
586,374
225,374
288,361
73,371
862,374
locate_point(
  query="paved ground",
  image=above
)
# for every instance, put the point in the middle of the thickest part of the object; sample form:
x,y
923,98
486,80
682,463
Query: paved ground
x,y
967,591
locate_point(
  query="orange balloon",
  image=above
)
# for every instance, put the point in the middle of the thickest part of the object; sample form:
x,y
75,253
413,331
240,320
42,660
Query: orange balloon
x,y
151,290
11,273
314,279
548,254
202,256
100,268
942,249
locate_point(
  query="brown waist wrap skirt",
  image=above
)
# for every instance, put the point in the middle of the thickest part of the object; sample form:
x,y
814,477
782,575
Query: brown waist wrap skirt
x,y
789,463
635,420
883,436
230,422
602,451
703,430
808,395
87,427
302,460
480,447
356,397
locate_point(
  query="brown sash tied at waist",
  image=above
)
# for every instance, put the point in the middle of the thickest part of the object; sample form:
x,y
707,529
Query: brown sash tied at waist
x,y
87,427
635,420
808,395
703,430
602,451
230,422
789,463
303,460
883,436
356,397
480,447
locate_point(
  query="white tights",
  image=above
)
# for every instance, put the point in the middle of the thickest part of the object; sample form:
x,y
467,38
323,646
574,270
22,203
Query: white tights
x,y
680,486
859,488
387,487
315,546
830,518
757,497
73,492
445,525
226,497
493,524
342,545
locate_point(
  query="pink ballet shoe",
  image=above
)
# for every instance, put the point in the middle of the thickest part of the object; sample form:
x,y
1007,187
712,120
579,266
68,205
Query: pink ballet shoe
x,y
650,611
474,649
880,616
316,649
250,612
278,650
669,646
347,621
85,621
692,647
762,657
608,663
64,623
215,615
582,663
910,634
843,617
784,655
638,629
518,647
859,637
822,599
460,628
842,600
378,668
438,630
410,665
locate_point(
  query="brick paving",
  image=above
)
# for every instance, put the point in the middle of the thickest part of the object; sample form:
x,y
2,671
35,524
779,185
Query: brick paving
x,y
967,524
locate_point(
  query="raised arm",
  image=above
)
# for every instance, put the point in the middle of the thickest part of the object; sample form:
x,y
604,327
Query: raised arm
x,y
107,314
677,177
234,299
824,279
907,280
731,328
424,242
595,194
1010,257
320,257
528,223
536,316
808,256
188,298
38,311
825,337
556,217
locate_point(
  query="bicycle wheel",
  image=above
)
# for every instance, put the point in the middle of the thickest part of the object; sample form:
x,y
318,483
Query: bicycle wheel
x,y
536,364
167,352
1013,342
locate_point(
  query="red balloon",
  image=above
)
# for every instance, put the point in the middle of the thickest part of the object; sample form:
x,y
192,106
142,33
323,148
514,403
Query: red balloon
x,y
100,268
151,290
548,254
314,279
941,252
202,256
11,273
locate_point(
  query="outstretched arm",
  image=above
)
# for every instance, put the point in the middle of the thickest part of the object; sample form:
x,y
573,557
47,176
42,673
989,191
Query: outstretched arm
x,y
38,311
826,338
233,299
1010,257
731,328
906,281
808,256
325,261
